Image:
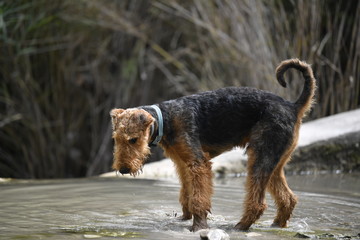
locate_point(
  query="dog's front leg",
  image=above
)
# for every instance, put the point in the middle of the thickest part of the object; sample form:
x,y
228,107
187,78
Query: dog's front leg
x,y
201,188
194,169
185,191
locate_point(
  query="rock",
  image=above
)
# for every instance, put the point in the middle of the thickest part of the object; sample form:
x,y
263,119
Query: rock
x,y
253,234
340,153
326,235
214,234
329,127
328,144
301,235
91,236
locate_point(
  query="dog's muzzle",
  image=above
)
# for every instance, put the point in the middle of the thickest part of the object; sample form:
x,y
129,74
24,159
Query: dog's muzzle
x,y
124,170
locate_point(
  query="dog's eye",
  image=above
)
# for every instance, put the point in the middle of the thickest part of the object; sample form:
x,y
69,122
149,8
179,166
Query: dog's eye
x,y
133,140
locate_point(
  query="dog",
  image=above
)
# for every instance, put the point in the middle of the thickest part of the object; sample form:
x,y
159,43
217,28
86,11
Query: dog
x,y
194,129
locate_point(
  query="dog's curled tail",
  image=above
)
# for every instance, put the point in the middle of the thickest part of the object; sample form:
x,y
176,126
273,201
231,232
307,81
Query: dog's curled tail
x,y
306,99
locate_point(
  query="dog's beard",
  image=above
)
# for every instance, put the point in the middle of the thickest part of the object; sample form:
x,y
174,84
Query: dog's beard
x,y
137,173
131,158
138,166
135,165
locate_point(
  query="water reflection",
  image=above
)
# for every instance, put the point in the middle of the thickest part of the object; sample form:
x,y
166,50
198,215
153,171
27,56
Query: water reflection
x,y
147,209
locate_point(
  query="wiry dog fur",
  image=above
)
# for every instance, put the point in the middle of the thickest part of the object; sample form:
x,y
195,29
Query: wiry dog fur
x,y
202,126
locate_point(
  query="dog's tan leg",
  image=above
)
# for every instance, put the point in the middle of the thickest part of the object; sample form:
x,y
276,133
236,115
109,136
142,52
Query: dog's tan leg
x,y
254,204
285,199
195,174
185,191
202,190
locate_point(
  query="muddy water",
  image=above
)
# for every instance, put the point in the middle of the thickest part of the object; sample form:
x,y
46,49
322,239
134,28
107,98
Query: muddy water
x,y
329,208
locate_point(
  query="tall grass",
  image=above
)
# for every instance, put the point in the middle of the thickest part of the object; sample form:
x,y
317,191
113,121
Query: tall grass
x,y
65,64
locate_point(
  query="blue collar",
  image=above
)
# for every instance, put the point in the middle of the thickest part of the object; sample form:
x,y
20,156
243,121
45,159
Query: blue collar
x,y
160,125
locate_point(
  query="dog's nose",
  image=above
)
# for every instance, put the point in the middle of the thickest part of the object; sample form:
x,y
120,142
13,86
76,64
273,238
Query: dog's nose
x,y
124,170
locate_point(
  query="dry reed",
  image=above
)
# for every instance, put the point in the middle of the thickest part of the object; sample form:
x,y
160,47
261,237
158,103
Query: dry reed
x,y
65,64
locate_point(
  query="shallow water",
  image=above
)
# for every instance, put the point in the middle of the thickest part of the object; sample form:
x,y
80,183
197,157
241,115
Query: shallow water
x,y
328,208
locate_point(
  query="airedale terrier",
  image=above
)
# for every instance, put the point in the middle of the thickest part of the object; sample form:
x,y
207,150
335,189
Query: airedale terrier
x,y
194,129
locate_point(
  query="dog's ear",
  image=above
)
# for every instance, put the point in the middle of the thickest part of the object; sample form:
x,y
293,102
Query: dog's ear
x,y
115,113
146,119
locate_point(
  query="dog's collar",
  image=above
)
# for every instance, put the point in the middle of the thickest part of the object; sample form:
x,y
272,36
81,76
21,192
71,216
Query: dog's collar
x,y
160,126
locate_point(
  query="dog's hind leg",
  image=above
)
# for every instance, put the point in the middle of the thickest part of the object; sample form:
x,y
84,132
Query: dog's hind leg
x,y
285,199
267,146
254,204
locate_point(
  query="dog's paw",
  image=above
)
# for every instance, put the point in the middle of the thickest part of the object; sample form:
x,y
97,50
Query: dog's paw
x,y
242,227
279,224
196,228
199,224
184,217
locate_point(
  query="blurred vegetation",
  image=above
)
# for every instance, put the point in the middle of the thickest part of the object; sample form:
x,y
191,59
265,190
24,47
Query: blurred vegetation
x,y
64,64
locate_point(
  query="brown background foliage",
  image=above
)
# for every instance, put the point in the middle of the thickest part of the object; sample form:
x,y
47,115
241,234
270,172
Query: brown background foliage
x,y
64,64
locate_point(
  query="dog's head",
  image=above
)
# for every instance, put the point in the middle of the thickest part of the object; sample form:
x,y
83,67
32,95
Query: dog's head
x,y
131,134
